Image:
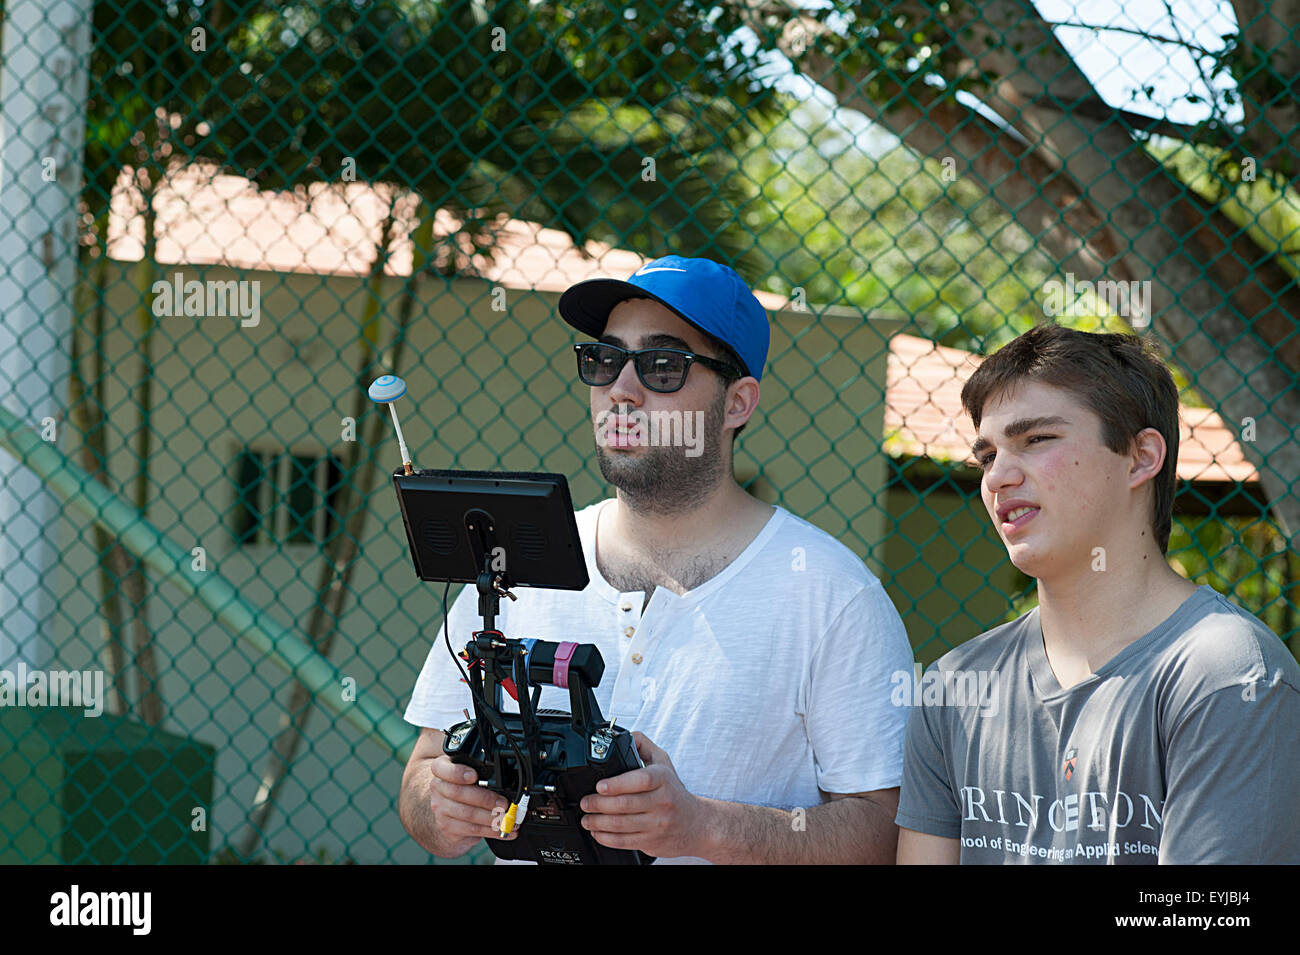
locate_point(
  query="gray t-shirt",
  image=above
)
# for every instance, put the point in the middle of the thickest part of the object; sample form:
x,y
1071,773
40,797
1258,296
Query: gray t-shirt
x,y
1183,748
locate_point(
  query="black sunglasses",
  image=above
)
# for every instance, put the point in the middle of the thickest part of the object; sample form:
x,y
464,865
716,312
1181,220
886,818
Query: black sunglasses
x,y
660,369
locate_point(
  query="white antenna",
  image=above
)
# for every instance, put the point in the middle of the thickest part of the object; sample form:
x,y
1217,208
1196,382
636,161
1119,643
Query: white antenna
x,y
385,390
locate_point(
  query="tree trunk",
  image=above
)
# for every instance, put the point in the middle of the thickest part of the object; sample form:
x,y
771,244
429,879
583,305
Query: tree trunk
x,y
87,415
1104,208
341,552
136,581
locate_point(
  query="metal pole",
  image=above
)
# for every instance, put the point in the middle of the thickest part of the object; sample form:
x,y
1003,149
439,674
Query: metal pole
x,y
278,644
44,72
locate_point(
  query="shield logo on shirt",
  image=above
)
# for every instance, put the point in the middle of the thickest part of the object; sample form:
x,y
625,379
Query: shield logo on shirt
x,y
1070,760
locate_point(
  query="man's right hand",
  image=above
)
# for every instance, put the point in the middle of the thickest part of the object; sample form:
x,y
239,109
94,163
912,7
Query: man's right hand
x,y
440,804
461,808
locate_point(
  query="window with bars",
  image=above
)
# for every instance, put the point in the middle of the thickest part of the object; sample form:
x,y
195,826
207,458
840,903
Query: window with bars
x,y
282,497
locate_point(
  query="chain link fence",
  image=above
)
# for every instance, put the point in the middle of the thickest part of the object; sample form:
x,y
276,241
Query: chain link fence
x,y
222,220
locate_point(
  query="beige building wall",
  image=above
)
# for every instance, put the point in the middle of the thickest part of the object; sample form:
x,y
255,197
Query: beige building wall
x,y
946,570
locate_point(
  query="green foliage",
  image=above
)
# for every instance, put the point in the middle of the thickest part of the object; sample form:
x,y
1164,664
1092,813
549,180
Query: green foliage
x,y
552,112
1246,559
144,75
863,222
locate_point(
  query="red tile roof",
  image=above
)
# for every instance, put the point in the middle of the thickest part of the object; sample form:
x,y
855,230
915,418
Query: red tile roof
x,y
924,417
207,217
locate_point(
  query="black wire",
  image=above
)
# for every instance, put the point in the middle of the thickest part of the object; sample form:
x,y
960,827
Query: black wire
x,y
525,768
521,688
447,638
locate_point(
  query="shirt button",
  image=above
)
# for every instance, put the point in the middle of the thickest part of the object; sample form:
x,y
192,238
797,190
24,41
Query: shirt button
x,y
636,658
628,631
625,607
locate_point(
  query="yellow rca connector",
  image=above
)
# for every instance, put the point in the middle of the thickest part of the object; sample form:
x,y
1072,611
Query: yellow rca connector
x,y
508,823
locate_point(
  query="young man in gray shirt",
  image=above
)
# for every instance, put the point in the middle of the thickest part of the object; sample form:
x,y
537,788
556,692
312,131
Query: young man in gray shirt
x,y
1131,717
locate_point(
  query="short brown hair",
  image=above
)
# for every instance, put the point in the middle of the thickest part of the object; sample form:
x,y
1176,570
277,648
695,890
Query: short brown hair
x,y
1120,378
724,352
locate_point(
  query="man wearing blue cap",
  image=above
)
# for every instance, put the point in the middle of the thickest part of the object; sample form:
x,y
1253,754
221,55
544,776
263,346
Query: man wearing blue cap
x,y
750,651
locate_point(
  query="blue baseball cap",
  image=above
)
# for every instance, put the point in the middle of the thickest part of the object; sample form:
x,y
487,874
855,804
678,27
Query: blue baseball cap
x,y
710,296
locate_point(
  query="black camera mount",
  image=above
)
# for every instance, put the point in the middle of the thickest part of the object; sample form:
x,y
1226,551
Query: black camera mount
x,y
502,530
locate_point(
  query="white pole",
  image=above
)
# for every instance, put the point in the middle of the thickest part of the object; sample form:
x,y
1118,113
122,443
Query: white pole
x,y
401,440
44,72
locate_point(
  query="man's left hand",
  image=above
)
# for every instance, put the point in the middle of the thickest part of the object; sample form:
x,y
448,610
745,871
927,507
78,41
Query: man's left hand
x,y
647,809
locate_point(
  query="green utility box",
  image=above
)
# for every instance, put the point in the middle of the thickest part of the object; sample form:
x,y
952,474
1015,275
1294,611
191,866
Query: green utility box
x,y
77,789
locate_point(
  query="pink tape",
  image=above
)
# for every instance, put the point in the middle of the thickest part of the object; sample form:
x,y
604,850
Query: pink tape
x,y
563,657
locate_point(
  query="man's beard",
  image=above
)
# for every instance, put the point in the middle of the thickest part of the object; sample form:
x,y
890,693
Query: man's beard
x,y
664,479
